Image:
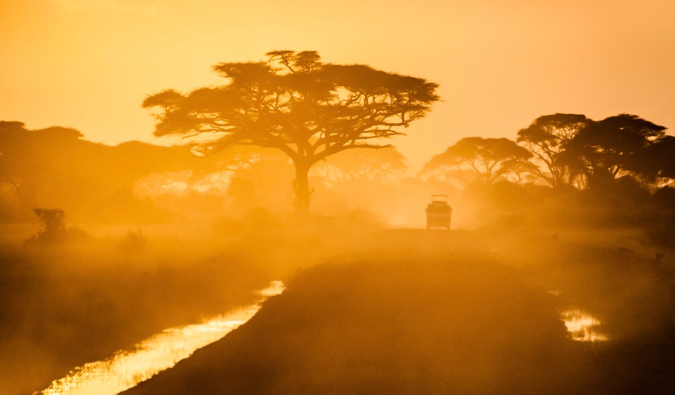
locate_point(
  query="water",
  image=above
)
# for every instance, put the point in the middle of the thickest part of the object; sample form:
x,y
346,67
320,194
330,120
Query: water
x,y
582,326
126,369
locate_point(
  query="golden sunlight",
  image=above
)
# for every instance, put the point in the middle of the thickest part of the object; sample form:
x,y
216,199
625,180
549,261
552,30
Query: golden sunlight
x,y
128,368
441,185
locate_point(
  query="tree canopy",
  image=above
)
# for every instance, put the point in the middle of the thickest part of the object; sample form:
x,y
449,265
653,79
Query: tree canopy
x,y
488,159
545,138
354,165
656,162
297,104
616,146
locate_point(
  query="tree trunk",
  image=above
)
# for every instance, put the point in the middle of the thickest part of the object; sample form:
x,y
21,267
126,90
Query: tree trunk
x,y
301,188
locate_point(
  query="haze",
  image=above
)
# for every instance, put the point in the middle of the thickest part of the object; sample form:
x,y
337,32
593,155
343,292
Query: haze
x,y
302,197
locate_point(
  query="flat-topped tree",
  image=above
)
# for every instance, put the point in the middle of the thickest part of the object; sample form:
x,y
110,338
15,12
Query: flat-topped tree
x,y
546,139
294,102
620,145
362,165
487,159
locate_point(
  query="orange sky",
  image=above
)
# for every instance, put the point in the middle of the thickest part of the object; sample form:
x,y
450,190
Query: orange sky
x,y
89,64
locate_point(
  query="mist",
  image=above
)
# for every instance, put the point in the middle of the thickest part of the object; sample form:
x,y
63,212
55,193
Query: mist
x,y
552,269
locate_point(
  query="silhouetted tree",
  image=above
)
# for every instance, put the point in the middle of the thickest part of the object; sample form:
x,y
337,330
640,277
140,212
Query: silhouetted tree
x,y
521,170
297,104
36,162
488,159
615,147
545,139
53,225
355,165
656,162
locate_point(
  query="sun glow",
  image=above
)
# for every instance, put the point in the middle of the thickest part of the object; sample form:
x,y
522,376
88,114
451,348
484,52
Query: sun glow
x,y
581,326
128,368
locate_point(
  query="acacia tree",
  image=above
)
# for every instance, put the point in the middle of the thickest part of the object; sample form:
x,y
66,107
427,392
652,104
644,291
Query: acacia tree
x,y
356,165
656,162
488,159
297,104
545,138
617,146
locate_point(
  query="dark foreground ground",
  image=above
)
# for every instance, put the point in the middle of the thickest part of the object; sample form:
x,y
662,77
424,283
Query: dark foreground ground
x,y
366,310
434,312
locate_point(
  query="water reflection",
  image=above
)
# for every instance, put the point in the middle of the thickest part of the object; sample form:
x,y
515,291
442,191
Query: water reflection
x,y
160,352
582,326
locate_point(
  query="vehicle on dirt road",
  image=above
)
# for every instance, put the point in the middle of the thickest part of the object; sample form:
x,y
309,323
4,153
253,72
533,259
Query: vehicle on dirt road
x,y
439,212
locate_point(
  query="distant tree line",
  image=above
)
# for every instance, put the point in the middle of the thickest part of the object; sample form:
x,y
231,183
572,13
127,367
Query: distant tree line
x,y
566,170
54,168
135,182
565,150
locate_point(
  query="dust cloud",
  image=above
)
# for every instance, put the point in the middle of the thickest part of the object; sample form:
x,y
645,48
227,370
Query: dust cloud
x,y
103,247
